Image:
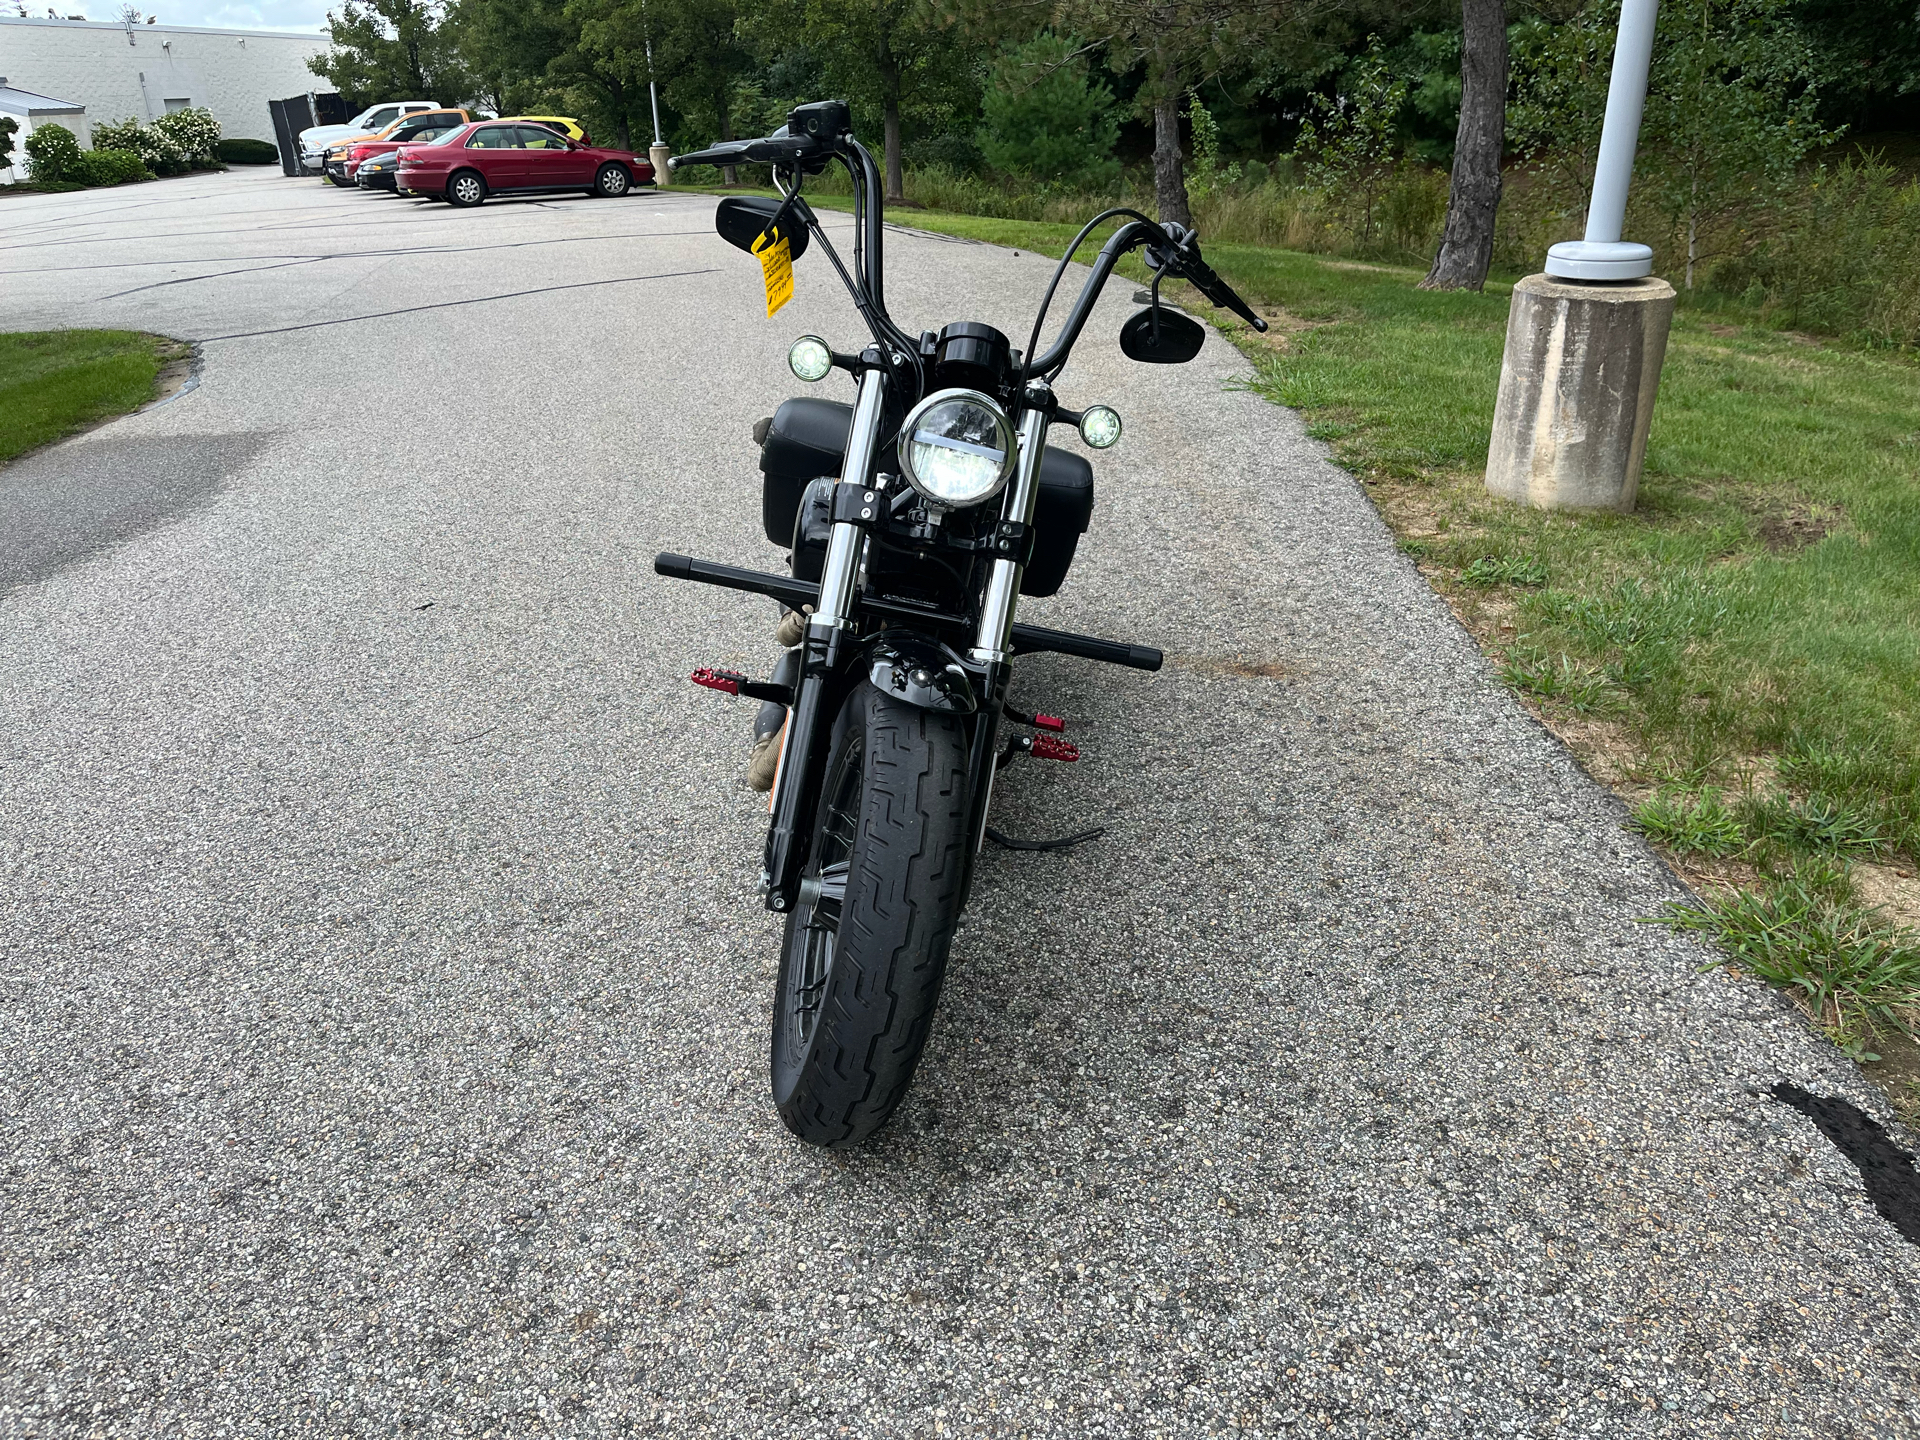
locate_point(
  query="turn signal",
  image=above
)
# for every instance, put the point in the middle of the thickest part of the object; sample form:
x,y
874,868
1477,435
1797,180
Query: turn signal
x,y
1100,426
809,358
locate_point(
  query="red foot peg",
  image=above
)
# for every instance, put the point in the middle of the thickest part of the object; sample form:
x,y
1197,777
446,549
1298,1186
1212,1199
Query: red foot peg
x,y
1049,722
726,681
1046,747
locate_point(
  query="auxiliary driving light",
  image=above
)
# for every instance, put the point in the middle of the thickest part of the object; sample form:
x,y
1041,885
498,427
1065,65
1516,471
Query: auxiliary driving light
x,y
1100,426
957,448
809,358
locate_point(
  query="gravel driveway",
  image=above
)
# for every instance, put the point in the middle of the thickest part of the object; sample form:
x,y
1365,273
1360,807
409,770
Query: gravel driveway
x,y
385,998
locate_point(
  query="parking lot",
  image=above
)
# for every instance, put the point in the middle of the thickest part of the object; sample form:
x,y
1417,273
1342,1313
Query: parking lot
x,y
386,997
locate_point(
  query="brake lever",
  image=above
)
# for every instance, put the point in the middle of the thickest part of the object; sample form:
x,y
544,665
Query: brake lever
x,y
1186,262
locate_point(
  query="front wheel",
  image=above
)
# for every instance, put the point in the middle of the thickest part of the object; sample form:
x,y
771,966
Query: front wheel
x,y
866,947
612,181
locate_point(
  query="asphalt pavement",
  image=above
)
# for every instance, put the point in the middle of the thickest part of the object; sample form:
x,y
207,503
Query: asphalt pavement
x,y
384,999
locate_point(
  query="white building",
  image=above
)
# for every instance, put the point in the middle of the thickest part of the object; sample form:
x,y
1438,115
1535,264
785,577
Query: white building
x,y
28,110
116,72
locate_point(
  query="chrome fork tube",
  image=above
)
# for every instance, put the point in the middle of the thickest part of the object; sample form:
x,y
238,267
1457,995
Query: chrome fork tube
x,y
992,644
846,546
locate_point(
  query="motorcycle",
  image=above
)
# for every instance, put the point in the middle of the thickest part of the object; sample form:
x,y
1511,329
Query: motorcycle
x,y
918,516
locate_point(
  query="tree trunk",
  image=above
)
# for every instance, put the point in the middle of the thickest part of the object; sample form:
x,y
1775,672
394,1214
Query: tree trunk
x,y
1473,200
895,181
1169,180
729,175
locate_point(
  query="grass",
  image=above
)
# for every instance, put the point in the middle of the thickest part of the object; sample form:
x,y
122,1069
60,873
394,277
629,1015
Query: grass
x,y
1858,977
56,382
1742,652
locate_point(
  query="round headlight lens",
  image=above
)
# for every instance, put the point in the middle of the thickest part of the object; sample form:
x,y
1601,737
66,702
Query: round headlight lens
x,y
809,358
1100,426
957,448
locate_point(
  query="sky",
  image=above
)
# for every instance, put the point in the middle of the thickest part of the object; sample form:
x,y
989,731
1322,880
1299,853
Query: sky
x,y
305,15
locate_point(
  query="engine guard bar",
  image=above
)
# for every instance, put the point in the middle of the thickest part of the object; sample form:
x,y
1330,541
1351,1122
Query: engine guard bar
x,y
1027,639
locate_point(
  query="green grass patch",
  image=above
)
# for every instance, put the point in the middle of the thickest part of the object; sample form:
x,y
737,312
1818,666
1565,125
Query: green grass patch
x,y
1857,977
56,382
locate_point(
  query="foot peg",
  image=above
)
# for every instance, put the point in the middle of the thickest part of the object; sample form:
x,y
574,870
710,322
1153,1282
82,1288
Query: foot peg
x,y
1048,747
732,682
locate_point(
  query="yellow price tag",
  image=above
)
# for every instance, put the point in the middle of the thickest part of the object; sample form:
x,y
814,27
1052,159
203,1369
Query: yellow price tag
x,y
776,268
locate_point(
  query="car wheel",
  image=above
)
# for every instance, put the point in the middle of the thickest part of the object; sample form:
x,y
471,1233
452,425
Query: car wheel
x,y
612,181
466,188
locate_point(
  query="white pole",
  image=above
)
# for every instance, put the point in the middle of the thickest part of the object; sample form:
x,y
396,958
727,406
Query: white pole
x,y
653,94
1603,255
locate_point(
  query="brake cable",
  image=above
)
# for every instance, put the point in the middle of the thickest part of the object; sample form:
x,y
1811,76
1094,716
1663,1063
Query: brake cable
x,y
1033,341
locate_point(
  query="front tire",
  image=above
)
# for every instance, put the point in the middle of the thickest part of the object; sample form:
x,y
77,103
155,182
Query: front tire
x,y
466,189
860,972
612,182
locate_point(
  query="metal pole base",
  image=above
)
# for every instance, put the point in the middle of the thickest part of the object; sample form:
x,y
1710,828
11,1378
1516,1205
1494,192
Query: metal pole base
x,y
1599,260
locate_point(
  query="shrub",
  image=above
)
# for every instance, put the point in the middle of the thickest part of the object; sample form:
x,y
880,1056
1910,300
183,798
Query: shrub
x,y
109,167
177,142
247,152
53,152
196,133
1842,256
8,125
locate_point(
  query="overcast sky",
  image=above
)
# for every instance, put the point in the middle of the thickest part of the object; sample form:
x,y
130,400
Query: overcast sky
x,y
308,15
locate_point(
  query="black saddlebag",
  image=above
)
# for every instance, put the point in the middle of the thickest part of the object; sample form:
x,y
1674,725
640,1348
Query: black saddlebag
x,y
808,437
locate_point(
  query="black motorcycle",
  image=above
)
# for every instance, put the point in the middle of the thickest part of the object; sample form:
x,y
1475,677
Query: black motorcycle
x,y
917,516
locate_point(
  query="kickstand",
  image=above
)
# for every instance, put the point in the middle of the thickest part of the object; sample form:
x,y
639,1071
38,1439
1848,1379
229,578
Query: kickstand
x,y
1007,842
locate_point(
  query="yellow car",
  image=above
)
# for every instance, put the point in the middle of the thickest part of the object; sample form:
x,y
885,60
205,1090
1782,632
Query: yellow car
x,y
568,127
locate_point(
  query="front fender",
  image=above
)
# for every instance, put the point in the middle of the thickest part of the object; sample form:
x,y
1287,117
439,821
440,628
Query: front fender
x,y
921,672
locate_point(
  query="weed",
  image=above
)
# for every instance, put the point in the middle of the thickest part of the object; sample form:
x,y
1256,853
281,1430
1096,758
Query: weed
x,y
1819,824
1490,570
1577,688
1698,824
1855,976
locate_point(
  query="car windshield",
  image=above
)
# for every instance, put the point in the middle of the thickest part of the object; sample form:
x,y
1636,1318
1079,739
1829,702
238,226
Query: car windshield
x,y
451,136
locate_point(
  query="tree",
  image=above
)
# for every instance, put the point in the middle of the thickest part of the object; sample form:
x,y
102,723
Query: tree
x,y
393,50
702,61
1473,198
894,56
1348,144
1560,69
1732,110
1045,118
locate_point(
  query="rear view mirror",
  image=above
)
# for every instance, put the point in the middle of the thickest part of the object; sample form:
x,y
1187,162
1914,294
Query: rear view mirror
x,y
742,219
1179,339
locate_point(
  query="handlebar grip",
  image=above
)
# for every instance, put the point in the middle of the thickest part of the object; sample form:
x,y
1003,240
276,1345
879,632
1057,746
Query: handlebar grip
x,y
732,151
1223,295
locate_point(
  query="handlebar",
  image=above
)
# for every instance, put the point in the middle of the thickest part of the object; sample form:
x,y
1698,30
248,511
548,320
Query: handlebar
x,y
778,149
1171,250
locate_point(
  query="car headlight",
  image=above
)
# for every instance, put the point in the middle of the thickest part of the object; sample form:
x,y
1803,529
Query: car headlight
x,y
957,448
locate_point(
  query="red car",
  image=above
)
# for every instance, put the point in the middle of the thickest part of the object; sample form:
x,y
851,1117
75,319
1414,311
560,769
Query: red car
x,y
493,157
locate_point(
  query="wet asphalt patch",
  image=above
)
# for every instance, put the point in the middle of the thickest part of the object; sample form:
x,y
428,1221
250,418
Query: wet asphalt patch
x,y
1885,1169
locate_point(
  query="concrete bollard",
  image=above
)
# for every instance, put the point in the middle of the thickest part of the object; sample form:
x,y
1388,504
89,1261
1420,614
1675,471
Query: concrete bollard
x,y
1577,386
658,154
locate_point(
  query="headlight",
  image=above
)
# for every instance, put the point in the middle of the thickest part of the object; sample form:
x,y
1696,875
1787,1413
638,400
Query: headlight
x,y
809,358
1100,426
957,448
